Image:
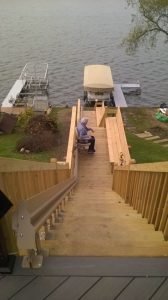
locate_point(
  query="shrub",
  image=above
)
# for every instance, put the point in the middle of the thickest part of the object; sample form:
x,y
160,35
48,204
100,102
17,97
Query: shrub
x,y
7,123
37,143
24,118
39,124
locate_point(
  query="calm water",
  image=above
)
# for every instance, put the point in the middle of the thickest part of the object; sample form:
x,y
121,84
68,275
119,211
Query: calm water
x,y
69,34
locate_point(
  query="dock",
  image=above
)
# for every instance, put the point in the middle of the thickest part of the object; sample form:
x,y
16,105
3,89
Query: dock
x,y
32,82
13,93
119,98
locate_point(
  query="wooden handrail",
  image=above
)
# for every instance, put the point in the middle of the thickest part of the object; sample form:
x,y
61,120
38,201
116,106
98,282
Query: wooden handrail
x,y
123,139
29,217
34,213
72,138
78,113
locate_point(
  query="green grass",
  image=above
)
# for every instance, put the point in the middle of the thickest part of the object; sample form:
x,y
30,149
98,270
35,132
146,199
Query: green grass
x,y
8,149
144,151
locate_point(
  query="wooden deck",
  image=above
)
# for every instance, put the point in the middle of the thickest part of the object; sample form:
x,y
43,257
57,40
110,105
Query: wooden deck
x,y
103,249
97,222
88,278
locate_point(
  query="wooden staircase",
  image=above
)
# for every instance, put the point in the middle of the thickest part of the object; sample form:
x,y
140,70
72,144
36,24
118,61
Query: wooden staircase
x,y
97,222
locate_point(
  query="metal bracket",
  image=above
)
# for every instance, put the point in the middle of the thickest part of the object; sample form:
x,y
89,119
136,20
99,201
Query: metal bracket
x,y
32,261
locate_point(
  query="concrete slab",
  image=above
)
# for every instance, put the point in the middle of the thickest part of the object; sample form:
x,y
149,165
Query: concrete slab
x,y
161,141
152,138
144,134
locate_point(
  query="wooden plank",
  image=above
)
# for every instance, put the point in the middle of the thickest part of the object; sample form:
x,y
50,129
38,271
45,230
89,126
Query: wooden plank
x,y
78,114
71,137
162,293
164,216
135,189
107,288
109,142
73,288
142,192
165,232
97,266
141,288
123,139
147,195
39,288
113,139
9,285
156,200
153,196
162,203
130,188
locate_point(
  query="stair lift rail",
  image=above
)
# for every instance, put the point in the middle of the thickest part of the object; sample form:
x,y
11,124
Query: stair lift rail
x,y
37,212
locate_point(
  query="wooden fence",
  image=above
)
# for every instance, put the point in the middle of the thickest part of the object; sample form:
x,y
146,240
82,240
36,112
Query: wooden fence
x,y
20,180
21,185
146,191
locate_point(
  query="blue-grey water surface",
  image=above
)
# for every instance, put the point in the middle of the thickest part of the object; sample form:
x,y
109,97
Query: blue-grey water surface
x,y
68,34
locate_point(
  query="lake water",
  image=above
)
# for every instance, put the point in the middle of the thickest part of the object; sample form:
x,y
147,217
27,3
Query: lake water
x,y
68,34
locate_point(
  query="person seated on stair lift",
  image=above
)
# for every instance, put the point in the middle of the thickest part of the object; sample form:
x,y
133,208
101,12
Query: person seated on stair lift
x,y
83,134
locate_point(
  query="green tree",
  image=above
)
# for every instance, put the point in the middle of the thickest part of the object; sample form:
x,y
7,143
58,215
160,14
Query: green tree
x,y
150,21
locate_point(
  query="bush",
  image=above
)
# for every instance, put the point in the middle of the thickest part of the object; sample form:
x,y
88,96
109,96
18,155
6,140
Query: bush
x,y
39,124
24,118
37,143
7,123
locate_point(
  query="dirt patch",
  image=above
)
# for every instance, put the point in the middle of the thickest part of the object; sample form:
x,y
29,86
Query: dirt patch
x,y
142,119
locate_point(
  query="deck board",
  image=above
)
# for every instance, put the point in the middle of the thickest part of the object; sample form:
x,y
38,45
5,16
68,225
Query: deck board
x,y
111,287
41,287
73,288
10,285
145,286
88,278
162,293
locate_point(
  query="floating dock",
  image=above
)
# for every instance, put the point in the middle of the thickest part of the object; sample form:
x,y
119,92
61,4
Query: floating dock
x,y
30,88
119,98
13,93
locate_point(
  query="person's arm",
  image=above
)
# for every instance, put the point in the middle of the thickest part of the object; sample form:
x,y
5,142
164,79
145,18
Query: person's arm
x,y
89,129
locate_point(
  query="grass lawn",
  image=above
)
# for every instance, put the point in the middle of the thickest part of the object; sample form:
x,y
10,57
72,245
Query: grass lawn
x,y
136,119
8,141
144,151
8,145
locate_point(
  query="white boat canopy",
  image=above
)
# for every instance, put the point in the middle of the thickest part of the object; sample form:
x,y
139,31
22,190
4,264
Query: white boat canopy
x,y
98,77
